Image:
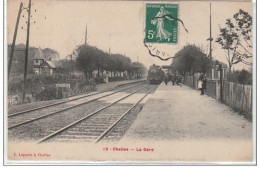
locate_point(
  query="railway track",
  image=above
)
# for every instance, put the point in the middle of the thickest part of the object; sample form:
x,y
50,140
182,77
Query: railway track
x,y
28,116
61,102
95,126
42,127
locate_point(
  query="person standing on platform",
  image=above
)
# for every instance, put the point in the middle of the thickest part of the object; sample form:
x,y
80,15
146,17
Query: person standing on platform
x,y
200,85
204,84
167,78
173,79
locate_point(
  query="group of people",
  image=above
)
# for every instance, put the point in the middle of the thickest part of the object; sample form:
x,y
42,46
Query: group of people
x,y
175,79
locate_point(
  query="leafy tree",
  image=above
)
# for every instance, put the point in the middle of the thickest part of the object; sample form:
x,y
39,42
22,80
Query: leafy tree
x,y
51,54
189,58
122,63
126,63
138,68
89,58
86,59
99,60
19,57
67,66
236,39
241,77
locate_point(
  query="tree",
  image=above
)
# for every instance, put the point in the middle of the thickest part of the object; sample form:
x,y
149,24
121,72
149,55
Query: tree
x,y
86,59
189,58
139,69
241,77
236,39
126,63
67,66
99,60
18,60
51,54
89,58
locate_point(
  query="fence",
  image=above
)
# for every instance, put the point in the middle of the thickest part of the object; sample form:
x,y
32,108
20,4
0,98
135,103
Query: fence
x,y
189,81
211,88
236,96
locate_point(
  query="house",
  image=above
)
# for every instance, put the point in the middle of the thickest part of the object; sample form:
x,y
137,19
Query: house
x,y
38,60
215,71
48,67
42,65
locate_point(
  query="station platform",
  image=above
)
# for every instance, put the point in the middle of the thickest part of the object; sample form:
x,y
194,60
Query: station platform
x,y
175,112
181,118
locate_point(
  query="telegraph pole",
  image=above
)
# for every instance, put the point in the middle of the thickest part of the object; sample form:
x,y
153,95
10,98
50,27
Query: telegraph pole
x,y
26,50
14,39
72,70
210,39
86,32
221,82
210,36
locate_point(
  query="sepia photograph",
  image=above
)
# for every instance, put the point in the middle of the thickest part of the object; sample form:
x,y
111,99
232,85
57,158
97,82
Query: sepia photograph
x,y
92,82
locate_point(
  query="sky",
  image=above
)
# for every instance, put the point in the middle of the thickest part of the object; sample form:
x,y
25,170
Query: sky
x,y
115,25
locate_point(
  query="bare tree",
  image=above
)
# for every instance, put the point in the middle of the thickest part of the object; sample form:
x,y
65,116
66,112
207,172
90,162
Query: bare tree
x,y
236,39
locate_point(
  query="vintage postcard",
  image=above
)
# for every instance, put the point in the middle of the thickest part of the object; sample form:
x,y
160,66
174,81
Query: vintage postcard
x,y
130,82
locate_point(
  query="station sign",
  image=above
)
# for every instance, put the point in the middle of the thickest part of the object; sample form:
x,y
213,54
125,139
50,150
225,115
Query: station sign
x,y
166,67
63,85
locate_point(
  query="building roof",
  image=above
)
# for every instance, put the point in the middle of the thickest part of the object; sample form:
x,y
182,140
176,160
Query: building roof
x,y
39,54
52,64
223,64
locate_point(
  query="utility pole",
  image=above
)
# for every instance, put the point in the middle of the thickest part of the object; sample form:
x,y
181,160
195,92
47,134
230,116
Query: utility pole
x,y
26,51
86,32
210,36
210,39
72,70
221,82
14,39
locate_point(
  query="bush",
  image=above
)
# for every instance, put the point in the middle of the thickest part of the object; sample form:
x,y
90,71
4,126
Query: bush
x,y
99,80
46,94
241,77
111,79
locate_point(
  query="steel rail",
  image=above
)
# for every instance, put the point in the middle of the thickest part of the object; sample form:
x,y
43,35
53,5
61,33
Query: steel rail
x,y
120,118
58,103
68,108
85,117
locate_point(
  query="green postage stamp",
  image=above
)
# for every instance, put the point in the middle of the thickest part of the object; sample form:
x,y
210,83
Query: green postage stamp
x,y
161,25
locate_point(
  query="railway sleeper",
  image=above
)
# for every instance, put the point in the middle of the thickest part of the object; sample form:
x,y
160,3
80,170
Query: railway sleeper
x,y
87,130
